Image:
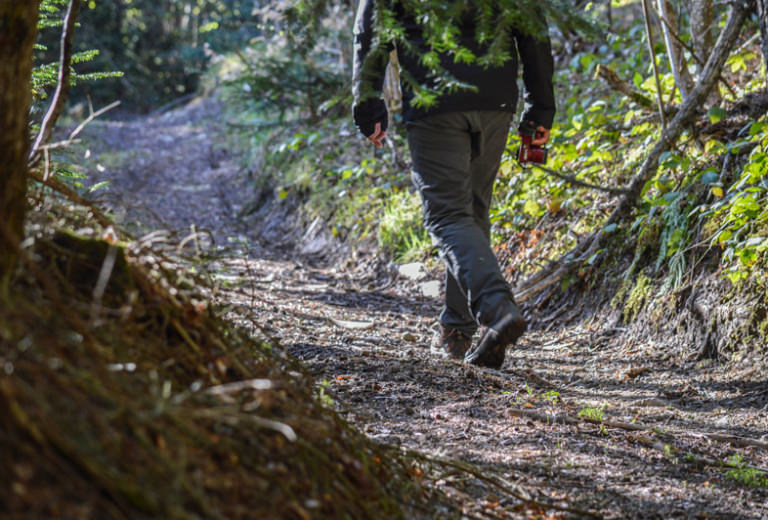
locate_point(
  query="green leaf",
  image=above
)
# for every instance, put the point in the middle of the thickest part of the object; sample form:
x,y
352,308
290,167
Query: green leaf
x,y
716,114
710,176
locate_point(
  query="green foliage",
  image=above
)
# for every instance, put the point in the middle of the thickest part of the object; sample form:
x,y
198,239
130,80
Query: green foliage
x,y
337,176
553,396
45,75
294,68
741,213
593,414
400,231
706,196
749,477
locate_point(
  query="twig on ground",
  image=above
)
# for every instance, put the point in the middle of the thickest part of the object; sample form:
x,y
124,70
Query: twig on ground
x,y
569,419
507,487
696,458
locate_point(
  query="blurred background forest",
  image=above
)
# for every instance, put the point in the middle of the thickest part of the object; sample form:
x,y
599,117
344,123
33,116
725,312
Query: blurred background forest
x,y
160,49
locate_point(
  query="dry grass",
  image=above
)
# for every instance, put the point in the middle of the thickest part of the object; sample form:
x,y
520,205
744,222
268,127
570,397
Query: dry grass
x,y
138,402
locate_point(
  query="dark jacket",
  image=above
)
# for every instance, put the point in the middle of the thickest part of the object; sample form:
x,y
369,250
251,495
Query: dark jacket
x,y
496,86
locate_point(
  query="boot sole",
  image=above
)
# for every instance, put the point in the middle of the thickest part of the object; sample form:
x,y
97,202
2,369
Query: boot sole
x,y
491,349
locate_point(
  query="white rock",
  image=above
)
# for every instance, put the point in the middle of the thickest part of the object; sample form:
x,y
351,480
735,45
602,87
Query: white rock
x,y
414,271
430,289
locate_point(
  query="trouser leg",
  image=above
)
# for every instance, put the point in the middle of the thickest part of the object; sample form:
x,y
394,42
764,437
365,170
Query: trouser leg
x,y
455,180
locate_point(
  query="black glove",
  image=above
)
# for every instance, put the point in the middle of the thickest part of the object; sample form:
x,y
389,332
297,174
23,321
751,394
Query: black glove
x,y
528,127
369,112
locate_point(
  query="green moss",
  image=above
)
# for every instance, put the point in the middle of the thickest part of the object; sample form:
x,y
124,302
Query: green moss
x,y
638,297
80,260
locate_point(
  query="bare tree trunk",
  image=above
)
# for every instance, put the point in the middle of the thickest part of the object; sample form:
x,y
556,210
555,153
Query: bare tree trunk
x,y
652,53
702,27
18,31
62,88
674,50
762,14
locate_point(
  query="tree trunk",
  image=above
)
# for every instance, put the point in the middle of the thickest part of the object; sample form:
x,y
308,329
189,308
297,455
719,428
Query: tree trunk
x,y
674,50
762,13
702,27
18,30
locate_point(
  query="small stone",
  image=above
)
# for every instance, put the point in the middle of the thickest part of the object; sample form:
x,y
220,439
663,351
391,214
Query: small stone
x,y
430,289
414,271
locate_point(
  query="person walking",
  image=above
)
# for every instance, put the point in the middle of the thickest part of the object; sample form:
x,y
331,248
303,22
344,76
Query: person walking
x,y
456,146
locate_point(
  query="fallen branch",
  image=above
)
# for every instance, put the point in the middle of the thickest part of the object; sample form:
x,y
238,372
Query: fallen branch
x,y
500,484
563,418
616,83
62,87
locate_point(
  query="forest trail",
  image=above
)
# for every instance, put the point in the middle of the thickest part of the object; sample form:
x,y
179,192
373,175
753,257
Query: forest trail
x,y
534,424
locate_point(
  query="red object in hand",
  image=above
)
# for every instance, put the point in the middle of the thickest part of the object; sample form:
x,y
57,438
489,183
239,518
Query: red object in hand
x,y
529,152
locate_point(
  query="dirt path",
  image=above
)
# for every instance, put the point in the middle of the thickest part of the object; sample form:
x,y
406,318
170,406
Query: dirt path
x,y
366,337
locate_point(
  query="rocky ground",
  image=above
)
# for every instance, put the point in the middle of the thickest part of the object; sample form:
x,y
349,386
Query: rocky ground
x,y
581,421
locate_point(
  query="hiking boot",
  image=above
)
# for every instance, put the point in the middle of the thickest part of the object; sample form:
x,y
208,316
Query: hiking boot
x,y
450,343
492,347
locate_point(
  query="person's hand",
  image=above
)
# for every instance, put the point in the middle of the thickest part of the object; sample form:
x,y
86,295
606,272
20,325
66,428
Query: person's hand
x,y
541,137
378,135
371,118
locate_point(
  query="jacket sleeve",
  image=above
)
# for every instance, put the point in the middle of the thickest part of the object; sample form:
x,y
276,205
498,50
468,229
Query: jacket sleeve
x,y
369,67
538,67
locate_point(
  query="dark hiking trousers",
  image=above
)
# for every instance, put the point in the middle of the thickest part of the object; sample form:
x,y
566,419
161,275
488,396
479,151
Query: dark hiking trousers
x,y
456,156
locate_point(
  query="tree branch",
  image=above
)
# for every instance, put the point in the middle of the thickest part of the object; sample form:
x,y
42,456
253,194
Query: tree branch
x,y
72,196
649,34
616,83
62,88
573,180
